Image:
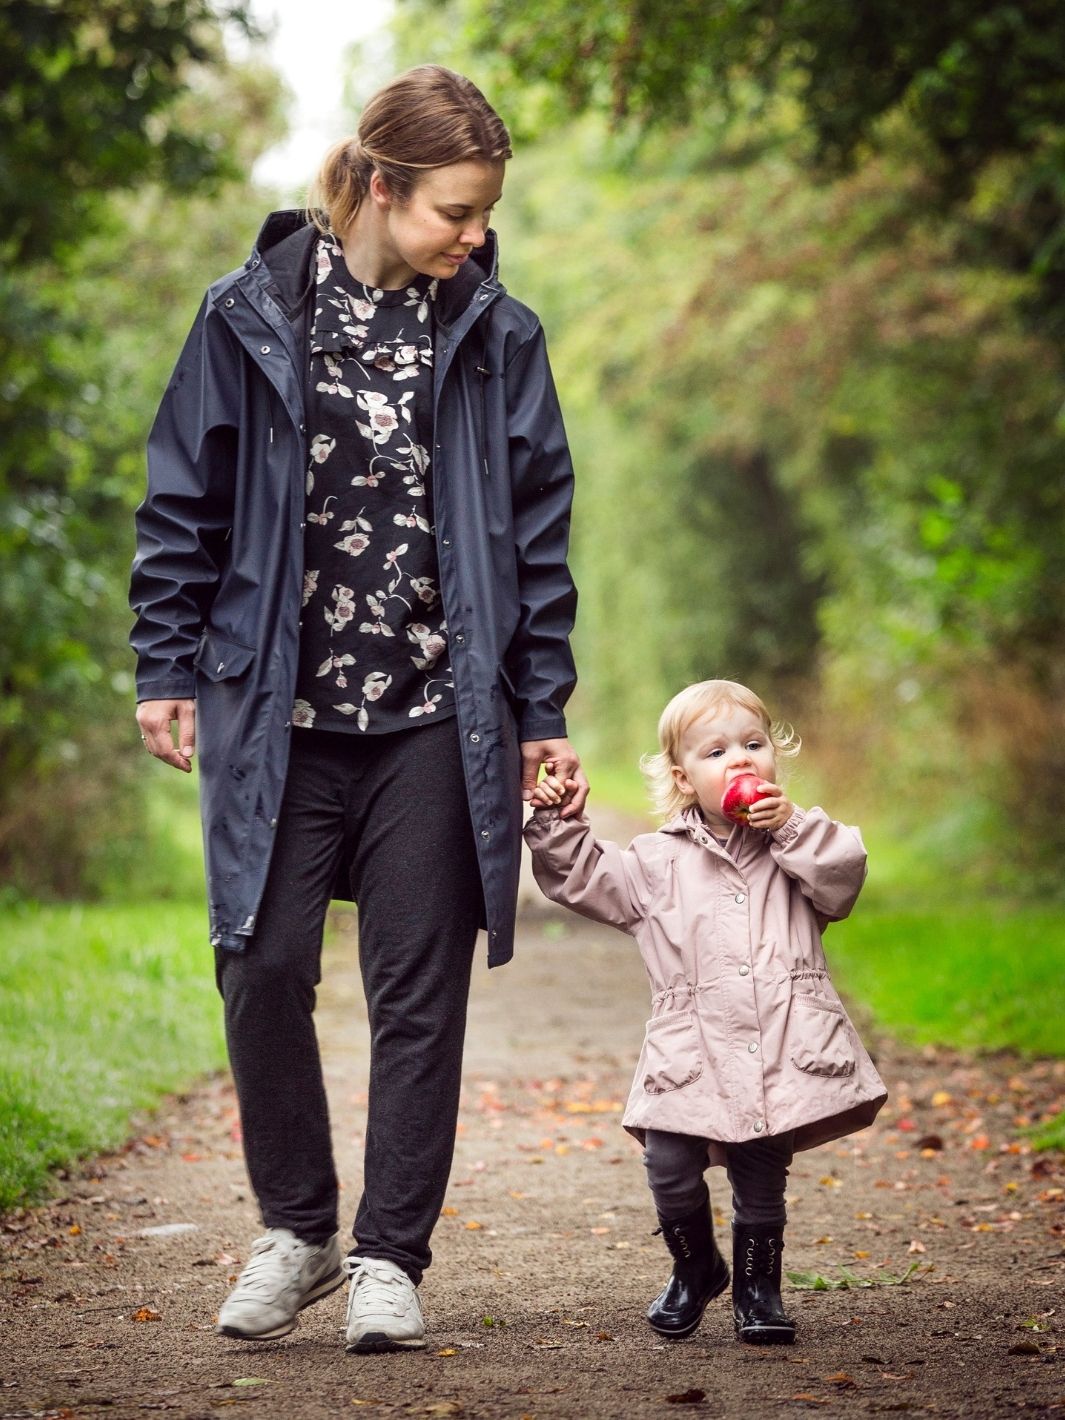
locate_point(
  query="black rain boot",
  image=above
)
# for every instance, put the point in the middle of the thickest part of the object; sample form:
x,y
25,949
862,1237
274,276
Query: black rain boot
x,y
756,1303
699,1274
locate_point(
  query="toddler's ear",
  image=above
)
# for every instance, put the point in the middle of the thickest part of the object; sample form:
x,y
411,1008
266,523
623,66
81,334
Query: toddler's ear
x,y
681,780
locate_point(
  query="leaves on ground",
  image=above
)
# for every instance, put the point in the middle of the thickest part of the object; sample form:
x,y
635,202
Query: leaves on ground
x,y
818,1282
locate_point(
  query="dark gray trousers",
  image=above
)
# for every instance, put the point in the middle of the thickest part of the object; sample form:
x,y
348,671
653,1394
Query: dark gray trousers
x,y
757,1171
391,812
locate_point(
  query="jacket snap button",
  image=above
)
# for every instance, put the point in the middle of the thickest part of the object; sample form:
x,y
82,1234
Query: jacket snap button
x,y
475,739
758,1126
741,897
460,638
447,542
264,349
485,833
229,303
752,1047
744,969
221,667
273,823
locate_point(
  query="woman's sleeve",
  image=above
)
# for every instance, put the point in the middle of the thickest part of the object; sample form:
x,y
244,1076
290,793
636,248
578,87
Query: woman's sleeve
x,y
827,860
592,876
539,661
186,516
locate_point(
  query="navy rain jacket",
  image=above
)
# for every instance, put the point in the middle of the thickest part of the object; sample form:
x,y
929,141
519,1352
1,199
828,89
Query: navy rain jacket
x,y
218,574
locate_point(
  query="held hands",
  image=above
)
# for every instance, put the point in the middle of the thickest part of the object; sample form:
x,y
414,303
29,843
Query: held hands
x,y
565,781
155,718
771,812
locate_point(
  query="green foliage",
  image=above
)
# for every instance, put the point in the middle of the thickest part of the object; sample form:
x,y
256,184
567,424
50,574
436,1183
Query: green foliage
x,y
102,1012
91,318
88,108
979,83
1050,1134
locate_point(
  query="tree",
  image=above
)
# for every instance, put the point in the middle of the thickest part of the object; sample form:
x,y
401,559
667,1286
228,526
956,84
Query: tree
x,y
118,114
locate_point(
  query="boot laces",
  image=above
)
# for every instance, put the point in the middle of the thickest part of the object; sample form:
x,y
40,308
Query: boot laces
x,y
378,1286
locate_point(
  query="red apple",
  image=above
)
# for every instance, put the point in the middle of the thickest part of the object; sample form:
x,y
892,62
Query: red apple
x,y
740,795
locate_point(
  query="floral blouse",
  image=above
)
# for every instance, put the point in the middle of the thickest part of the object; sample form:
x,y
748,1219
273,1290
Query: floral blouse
x,y
373,639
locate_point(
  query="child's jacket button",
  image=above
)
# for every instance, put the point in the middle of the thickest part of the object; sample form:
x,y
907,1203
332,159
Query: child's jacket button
x,y
744,969
758,1126
741,897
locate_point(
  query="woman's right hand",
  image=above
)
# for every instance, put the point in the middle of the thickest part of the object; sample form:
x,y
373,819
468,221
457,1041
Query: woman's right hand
x,y
155,718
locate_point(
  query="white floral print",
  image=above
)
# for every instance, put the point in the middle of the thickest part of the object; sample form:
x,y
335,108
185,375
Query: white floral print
x,y
368,510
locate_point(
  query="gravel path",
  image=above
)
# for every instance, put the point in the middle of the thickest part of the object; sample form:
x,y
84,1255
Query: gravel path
x,y
544,1255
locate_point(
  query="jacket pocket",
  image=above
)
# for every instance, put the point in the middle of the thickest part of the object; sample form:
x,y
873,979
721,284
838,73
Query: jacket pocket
x,y
673,1056
820,1041
219,658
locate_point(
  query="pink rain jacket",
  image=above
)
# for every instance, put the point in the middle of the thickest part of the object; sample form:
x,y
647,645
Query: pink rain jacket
x,y
747,1035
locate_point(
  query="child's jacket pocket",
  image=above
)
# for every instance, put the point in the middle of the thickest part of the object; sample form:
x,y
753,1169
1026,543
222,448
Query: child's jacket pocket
x,y
821,1043
673,1056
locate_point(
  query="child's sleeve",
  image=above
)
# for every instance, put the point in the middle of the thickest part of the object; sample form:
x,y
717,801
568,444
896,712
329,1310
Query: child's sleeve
x,y
592,876
827,860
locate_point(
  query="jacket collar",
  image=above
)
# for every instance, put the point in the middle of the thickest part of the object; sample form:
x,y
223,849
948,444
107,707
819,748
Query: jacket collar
x,y
285,246
691,824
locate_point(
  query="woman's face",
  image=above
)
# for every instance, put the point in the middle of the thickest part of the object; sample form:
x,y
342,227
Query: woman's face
x,y
446,216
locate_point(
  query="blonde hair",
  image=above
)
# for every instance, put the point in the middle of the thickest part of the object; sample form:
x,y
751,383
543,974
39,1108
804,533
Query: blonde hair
x,y
705,697
429,117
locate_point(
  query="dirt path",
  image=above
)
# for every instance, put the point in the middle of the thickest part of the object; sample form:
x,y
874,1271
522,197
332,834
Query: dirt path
x,y
544,1256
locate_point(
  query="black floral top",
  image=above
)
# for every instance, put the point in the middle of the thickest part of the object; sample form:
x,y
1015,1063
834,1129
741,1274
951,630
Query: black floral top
x,y
373,644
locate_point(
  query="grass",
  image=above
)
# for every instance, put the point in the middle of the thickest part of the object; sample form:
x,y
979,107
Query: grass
x,y
103,1010
978,976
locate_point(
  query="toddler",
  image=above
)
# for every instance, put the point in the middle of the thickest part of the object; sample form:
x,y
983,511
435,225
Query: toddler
x,y
749,1053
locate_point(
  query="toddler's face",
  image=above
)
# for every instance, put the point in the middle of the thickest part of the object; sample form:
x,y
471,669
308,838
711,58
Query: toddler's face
x,y
717,747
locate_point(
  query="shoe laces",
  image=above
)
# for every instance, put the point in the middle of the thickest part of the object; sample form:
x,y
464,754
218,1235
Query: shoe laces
x,y
268,1255
378,1285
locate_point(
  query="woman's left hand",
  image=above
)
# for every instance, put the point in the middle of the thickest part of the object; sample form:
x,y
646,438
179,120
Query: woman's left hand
x,y
564,764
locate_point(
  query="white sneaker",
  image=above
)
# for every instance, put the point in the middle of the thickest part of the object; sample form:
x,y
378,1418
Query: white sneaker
x,y
383,1309
281,1277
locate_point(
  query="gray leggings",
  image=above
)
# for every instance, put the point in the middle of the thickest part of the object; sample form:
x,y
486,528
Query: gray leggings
x,y
757,1171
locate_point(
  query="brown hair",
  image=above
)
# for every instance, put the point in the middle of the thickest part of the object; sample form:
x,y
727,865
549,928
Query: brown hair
x,y
428,117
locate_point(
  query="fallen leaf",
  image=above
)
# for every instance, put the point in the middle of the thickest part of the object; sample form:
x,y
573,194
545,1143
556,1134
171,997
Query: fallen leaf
x,y
861,1255
448,1351
252,1380
603,1336
1025,1348
545,1345
940,1098
74,1230
687,1397
979,1141
473,1226
449,1212
916,1245
843,1380
147,1314
930,1143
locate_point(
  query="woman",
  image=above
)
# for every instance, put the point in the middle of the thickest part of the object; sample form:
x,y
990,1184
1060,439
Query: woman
x,y
351,590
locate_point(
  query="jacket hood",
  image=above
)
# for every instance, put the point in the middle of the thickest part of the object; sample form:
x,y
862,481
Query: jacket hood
x,y
285,246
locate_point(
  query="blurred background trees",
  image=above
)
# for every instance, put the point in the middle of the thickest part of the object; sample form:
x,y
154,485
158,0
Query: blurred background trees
x,y
802,268
126,138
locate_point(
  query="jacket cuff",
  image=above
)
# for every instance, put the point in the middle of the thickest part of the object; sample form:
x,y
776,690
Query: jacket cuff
x,y
788,832
543,729
179,687
541,823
